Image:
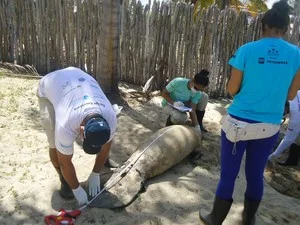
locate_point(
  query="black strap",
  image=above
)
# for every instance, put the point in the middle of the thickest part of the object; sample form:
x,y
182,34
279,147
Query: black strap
x,y
91,116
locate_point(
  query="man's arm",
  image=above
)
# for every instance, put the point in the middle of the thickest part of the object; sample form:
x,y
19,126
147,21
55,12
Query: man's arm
x,y
94,178
235,81
102,157
166,95
193,114
68,169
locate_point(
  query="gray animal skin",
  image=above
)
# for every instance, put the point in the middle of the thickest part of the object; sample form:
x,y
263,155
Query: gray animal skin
x,y
164,149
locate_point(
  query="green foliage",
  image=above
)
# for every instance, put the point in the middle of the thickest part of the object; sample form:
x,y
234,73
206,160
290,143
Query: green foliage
x,y
253,6
257,6
199,5
204,4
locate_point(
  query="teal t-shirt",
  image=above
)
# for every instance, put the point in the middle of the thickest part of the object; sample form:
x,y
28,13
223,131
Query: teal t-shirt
x,y
179,91
269,66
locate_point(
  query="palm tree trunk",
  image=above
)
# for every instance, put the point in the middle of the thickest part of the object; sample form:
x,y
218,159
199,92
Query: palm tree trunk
x,y
108,68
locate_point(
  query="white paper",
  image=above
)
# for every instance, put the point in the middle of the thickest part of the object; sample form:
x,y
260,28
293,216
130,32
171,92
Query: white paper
x,y
182,109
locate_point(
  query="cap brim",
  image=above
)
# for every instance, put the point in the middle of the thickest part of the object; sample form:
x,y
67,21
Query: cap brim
x,y
89,149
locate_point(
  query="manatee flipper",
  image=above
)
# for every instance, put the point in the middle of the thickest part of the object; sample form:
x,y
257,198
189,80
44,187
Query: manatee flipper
x,y
126,190
106,200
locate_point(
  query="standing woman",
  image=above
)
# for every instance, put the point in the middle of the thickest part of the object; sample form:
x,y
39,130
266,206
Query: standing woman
x,y
264,74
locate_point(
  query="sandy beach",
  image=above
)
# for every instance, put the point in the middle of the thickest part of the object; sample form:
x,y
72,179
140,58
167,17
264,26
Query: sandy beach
x,y
29,183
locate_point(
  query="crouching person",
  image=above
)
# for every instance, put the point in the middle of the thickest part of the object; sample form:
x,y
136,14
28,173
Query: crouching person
x,y
293,131
182,92
294,151
71,104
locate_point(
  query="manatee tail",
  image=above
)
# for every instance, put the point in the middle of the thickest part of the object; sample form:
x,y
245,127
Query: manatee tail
x,y
122,193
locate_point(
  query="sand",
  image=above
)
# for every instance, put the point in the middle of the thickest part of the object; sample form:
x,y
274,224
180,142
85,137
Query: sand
x,y
29,184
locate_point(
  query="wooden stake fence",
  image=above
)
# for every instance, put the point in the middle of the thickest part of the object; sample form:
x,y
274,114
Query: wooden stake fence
x,y
164,40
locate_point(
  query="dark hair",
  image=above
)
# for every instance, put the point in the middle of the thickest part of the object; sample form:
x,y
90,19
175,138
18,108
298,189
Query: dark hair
x,y
277,17
202,77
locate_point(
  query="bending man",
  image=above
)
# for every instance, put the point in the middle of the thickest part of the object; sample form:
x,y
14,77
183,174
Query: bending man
x,y
71,104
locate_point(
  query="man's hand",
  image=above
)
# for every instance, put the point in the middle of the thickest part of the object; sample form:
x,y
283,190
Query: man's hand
x,y
178,104
94,183
80,195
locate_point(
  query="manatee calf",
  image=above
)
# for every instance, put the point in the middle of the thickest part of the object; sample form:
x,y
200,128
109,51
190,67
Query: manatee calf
x,y
165,148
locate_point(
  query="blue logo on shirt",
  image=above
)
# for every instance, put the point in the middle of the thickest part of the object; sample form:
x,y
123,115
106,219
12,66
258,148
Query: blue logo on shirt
x,y
273,52
261,60
81,79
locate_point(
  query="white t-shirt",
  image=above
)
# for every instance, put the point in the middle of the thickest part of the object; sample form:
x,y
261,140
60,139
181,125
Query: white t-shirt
x,y
295,110
74,95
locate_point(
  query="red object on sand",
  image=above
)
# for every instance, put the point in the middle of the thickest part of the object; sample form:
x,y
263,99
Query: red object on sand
x,y
64,217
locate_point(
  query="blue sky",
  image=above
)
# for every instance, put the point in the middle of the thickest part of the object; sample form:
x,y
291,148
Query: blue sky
x,y
269,2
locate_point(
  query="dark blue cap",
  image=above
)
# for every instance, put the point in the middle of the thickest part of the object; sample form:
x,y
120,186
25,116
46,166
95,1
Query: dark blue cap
x,y
96,134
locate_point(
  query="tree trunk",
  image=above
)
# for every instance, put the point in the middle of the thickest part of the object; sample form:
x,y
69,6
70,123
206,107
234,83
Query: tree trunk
x,y
108,68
